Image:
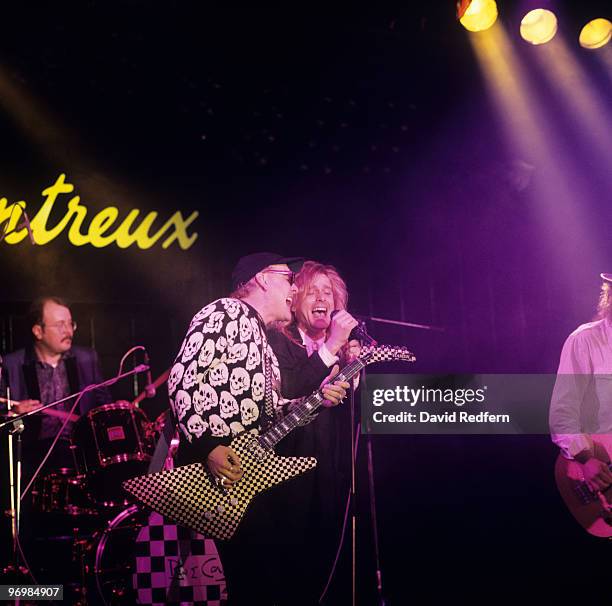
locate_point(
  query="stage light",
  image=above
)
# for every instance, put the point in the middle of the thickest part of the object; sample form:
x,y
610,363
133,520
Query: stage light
x,y
595,33
539,26
479,15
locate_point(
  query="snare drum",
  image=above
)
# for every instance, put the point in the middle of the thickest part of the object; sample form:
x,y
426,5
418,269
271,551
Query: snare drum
x,y
112,443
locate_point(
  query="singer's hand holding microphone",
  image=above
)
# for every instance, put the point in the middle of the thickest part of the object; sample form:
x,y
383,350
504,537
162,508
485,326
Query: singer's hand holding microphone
x,y
341,325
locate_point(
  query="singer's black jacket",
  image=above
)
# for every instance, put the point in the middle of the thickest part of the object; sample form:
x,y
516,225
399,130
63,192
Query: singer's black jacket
x,y
327,438
310,507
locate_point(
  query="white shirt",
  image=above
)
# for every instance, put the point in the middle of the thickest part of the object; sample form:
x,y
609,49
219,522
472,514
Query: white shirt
x,y
318,345
582,397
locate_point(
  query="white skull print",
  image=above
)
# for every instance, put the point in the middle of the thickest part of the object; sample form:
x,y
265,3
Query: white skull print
x,y
236,428
191,375
204,312
213,322
176,374
232,307
249,411
207,353
240,381
193,325
236,353
245,329
196,425
221,344
182,403
254,357
231,331
192,346
204,398
256,331
218,426
228,405
258,386
218,374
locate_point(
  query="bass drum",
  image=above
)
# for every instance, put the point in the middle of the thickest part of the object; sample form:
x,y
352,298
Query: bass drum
x,y
142,558
111,559
112,443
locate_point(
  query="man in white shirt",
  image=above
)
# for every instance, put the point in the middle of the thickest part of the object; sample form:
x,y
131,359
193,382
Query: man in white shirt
x,y
581,405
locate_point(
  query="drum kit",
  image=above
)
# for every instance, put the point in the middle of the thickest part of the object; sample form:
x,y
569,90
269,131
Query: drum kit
x,y
110,444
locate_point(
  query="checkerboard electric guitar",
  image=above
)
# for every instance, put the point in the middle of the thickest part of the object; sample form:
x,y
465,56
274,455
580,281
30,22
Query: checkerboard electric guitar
x,y
190,496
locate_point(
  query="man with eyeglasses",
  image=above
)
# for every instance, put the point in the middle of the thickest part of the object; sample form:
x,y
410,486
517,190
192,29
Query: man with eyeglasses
x,y
49,369
226,380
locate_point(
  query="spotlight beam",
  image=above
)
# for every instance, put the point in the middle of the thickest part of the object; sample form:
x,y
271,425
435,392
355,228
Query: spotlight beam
x,y
556,197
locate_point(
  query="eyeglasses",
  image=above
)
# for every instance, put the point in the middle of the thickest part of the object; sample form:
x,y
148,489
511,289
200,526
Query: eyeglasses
x,y
284,272
61,326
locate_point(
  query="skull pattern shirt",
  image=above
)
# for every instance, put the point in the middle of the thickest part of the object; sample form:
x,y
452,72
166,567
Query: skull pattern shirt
x,y
217,385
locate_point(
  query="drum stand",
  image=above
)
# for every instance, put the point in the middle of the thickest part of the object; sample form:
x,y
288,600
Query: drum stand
x,y
79,548
18,571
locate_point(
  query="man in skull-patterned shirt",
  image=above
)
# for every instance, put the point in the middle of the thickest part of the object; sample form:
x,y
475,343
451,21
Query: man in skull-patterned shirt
x,y
217,384
217,389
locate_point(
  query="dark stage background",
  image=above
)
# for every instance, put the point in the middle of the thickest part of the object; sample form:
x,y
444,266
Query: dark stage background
x,y
363,137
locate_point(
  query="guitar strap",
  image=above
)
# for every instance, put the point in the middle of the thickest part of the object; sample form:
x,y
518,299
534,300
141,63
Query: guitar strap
x,y
268,412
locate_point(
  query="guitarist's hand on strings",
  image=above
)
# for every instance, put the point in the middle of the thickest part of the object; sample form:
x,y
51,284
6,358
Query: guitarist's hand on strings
x,y
224,464
597,475
334,392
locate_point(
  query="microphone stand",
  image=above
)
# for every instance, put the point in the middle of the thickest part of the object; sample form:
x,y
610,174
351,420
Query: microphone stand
x,y
14,461
373,516
365,339
400,323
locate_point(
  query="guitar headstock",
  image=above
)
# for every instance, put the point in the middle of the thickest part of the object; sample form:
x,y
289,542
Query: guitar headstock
x,y
386,353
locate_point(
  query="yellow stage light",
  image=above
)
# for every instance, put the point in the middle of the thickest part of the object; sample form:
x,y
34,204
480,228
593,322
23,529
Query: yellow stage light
x,y
479,15
539,26
595,33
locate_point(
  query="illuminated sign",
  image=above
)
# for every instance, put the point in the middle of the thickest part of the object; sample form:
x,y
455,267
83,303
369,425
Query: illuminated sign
x,y
103,230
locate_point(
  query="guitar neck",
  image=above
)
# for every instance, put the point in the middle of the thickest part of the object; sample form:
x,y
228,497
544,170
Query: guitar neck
x,y
301,412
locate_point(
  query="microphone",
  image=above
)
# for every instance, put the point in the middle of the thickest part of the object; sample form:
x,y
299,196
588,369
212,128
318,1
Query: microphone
x,y
358,333
150,390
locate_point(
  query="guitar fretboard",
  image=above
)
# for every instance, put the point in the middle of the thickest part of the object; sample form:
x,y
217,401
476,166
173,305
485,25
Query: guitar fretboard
x,y
302,411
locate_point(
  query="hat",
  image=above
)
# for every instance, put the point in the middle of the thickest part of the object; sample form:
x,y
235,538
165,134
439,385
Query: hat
x,y
606,277
250,265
